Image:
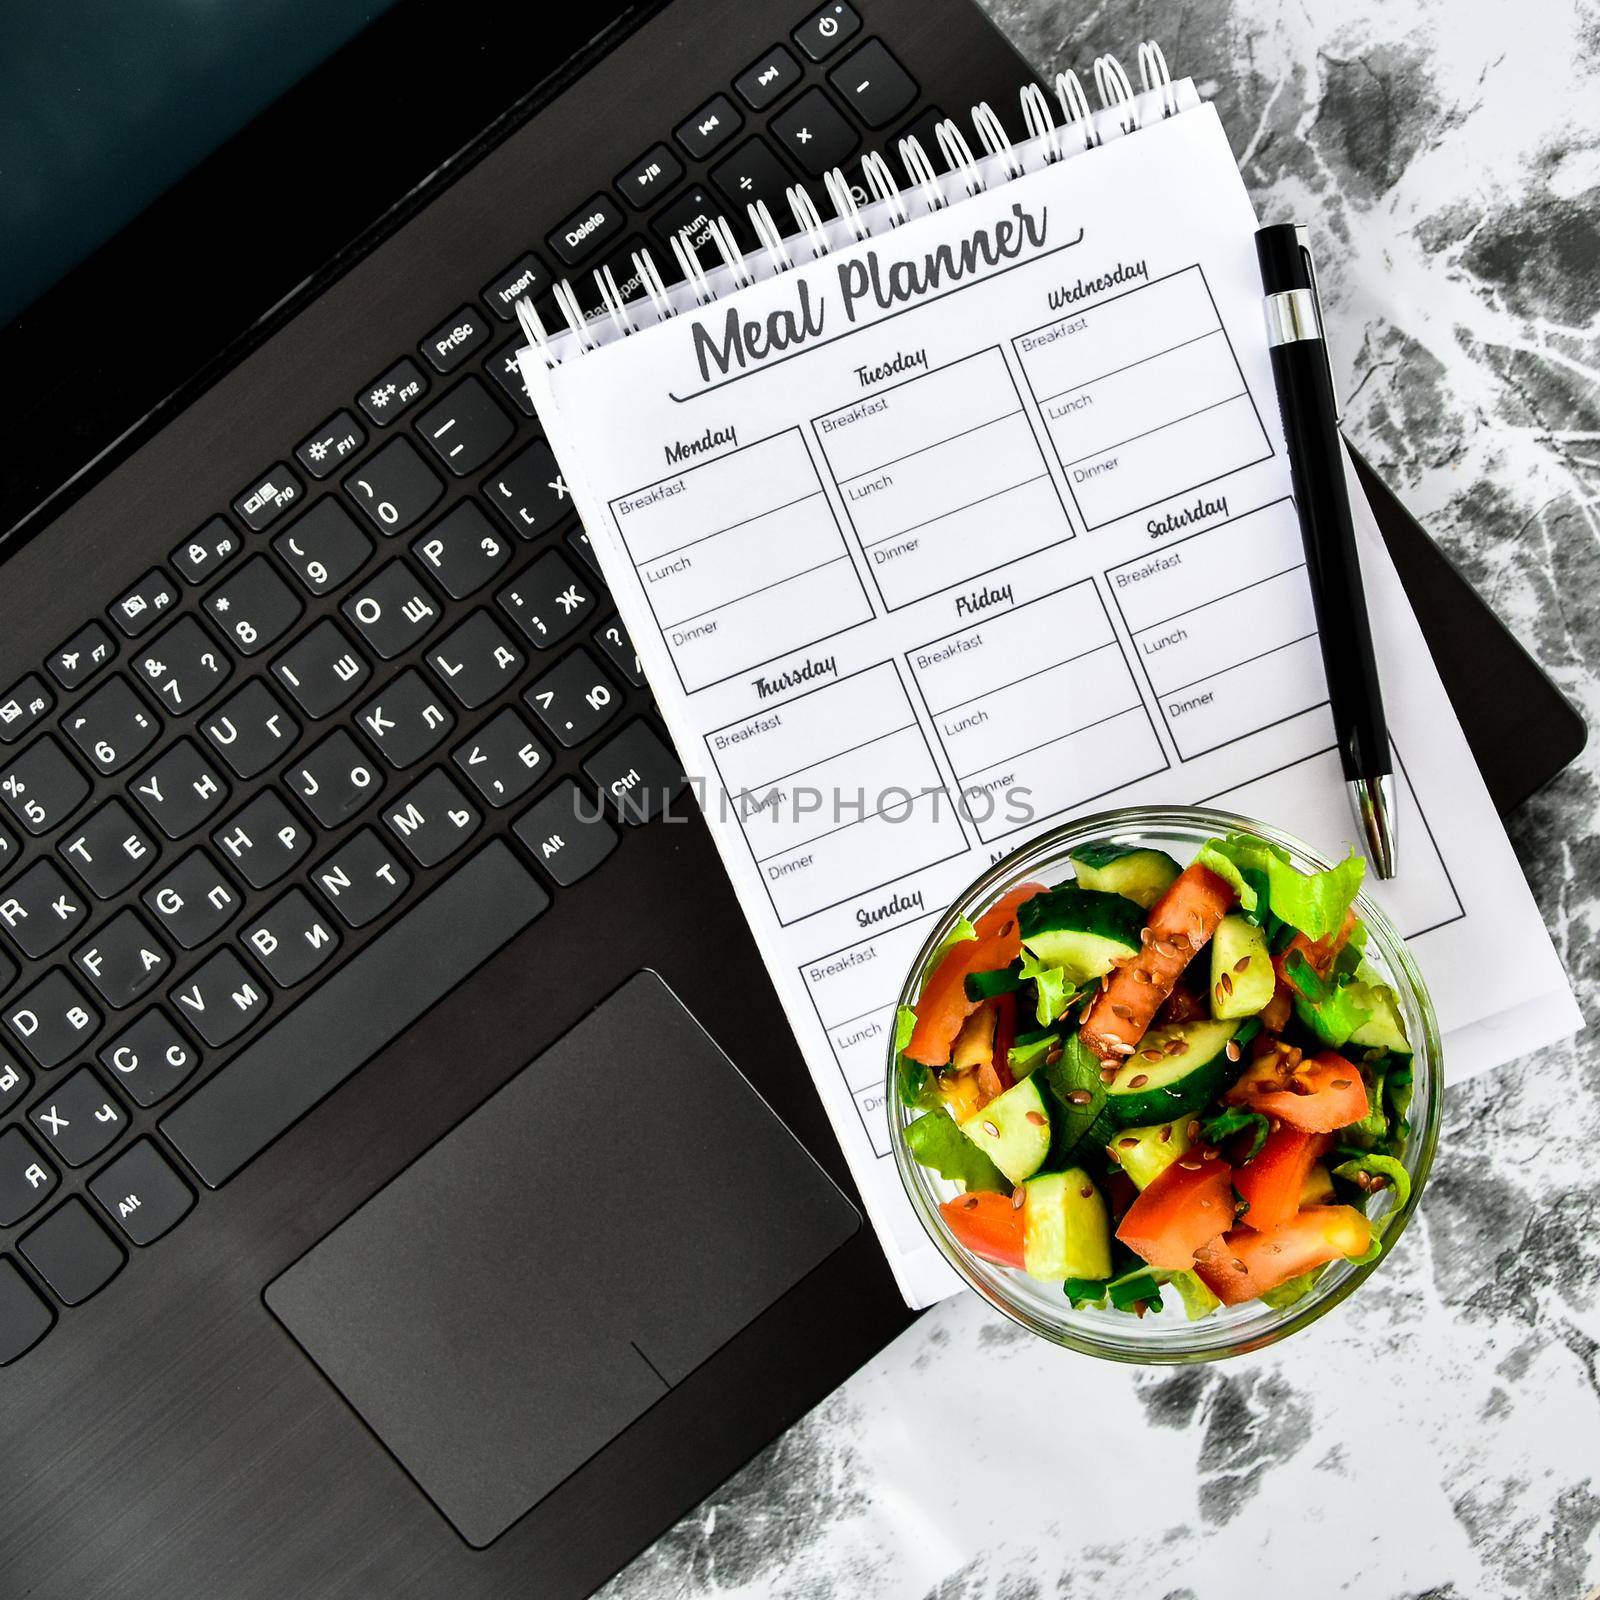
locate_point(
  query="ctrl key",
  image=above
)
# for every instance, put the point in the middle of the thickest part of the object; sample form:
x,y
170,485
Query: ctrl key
x,y
142,1194
24,1318
73,1253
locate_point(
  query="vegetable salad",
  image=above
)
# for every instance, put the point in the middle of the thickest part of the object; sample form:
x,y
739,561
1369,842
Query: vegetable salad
x,y
1153,1075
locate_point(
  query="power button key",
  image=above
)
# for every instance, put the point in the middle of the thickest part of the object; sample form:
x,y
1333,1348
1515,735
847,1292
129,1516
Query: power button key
x,y
820,35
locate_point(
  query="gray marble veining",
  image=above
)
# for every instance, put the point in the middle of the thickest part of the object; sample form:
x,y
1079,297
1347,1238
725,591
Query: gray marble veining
x,y
1438,1436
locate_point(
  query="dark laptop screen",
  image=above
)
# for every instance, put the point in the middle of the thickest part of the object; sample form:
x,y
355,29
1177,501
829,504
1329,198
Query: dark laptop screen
x,y
102,107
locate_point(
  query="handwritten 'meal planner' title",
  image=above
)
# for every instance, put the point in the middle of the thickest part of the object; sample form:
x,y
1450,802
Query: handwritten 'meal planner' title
x,y
868,280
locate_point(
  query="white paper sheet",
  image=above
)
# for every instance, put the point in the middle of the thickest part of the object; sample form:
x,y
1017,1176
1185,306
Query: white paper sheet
x,y
896,557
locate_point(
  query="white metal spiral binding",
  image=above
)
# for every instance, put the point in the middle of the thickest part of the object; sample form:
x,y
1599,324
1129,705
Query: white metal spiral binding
x,y
1076,109
995,139
1079,130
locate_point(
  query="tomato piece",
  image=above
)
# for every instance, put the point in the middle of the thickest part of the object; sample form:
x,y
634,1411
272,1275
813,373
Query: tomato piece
x,y
1180,923
1320,954
943,1006
1318,1094
1190,1203
1245,1265
1274,1180
988,1225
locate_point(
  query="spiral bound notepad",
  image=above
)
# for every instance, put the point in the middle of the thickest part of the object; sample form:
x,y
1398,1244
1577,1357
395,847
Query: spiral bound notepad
x,y
966,510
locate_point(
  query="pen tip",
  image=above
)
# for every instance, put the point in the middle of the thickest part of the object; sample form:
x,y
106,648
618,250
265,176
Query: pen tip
x,y
1372,799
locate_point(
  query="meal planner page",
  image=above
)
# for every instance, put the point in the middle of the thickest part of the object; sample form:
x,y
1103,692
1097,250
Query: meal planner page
x,y
979,524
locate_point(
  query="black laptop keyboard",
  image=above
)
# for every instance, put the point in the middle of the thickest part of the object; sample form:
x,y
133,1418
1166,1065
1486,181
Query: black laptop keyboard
x,y
268,805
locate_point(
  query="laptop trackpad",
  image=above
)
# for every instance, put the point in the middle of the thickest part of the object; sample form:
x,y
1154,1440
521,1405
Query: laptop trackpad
x,y
543,1274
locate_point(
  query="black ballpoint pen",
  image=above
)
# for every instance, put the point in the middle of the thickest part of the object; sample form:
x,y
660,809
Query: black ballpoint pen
x,y
1309,408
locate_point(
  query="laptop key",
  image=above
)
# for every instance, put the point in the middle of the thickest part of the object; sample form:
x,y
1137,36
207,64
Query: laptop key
x,y
27,1180
269,497
220,999
254,607
8,855
393,392
754,173
593,224
650,177
324,548
575,699
525,276
362,878
335,779
467,428
773,75
180,789
711,127
52,1019
638,772
581,545
406,720
503,759
873,84
110,851
530,492
142,1193
824,31
690,216
22,707
150,1059
251,730
40,786
185,666
24,1318
194,901
112,726
264,841
322,669
455,339
331,445
83,655
433,819
78,1120
355,1013
461,551
73,1253
548,601
208,550
41,910
567,833
613,638
393,610
503,367
814,131
14,1082
476,660
123,960
144,604
394,487
292,939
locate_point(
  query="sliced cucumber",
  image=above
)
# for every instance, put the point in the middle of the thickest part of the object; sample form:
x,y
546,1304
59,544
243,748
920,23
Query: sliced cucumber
x,y
1385,1029
1013,1130
1198,1300
1174,1072
1066,1232
986,985
1153,1149
1137,874
1028,1052
1242,975
1081,931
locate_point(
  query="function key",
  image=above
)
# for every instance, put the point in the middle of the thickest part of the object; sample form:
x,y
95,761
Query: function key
x,y
466,428
650,177
142,1194
23,707
754,173
395,487
276,491
874,85
593,224
523,277
144,604
821,34
83,655
813,130
41,787
331,445
206,551
711,127
774,74
393,391
455,339
530,492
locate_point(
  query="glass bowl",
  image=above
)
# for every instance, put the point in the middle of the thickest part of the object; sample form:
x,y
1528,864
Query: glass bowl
x,y
1167,1336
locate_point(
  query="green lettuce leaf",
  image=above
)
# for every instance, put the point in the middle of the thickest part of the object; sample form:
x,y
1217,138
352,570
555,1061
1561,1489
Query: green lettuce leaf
x,y
1373,1128
1198,1300
1052,986
1286,1294
917,1085
1234,1120
1077,1070
905,1023
1399,1181
959,934
1315,902
1334,1017
939,1144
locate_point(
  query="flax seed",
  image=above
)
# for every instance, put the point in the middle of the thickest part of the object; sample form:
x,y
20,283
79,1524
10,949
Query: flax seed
x,y
1241,963
1178,1047
1151,1055
1141,976
1226,983
1128,1144
1052,1055
1018,1195
1166,1132
1239,1266
1080,1097
1190,1166
1037,1118
970,1203
1117,1046
1341,1083
1147,935
1209,1153
1108,1075
1087,1191
1125,1012
1193,1130
990,1129
1231,1050
1138,1080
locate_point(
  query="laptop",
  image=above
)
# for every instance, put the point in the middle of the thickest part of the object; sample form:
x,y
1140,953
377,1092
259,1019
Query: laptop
x,y
406,1184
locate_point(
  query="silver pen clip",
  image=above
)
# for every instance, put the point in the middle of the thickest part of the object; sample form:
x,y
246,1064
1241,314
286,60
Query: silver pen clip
x,y
1302,239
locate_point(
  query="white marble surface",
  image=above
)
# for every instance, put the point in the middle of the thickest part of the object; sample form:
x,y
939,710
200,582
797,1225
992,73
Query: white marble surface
x,y
1439,1435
